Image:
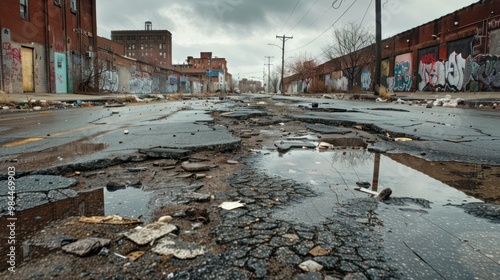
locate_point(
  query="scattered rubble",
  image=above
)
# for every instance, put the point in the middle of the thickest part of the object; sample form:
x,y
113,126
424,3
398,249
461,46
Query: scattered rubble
x,y
149,233
87,246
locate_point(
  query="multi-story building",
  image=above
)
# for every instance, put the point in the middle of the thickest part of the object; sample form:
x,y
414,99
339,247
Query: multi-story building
x,y
47,46
252,86
209,69
148,45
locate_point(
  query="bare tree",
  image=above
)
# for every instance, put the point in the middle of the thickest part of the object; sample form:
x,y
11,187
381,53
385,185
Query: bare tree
x,y
303,68
275,79
354,47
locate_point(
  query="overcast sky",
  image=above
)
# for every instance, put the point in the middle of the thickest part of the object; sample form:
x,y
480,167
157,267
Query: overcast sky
x,y
240,30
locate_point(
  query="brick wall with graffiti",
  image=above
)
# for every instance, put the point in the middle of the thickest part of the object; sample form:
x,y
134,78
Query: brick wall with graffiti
x,y
120,74
461,71
11,63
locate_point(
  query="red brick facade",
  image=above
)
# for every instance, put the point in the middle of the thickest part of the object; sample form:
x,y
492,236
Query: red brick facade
x,y
49,46
456,52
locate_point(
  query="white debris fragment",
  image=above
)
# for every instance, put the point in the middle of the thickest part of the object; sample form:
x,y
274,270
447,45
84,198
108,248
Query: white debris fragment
x,y
310,266
231,205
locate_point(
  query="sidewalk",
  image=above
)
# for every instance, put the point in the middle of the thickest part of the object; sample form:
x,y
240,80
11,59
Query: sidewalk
x,y
64,97
70,97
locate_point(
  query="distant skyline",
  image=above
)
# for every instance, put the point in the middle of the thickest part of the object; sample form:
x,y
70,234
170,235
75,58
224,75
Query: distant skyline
x,y
240,30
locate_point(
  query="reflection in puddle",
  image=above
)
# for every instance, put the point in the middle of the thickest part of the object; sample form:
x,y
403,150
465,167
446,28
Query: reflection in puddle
x,y
424,236
129,202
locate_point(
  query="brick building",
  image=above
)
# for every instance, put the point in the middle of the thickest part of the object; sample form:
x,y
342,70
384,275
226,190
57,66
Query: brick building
x,y
210,70
458,52
149,45
252,86
47,46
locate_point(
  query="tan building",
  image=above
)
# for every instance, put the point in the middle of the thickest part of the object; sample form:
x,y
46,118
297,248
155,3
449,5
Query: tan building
x,y
210,70
252,86
148,45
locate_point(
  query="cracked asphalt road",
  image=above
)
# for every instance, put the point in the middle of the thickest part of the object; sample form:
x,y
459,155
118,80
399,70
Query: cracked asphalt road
x,y
251,242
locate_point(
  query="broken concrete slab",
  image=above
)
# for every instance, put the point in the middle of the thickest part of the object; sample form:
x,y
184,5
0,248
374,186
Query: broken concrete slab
x,y
284,146
150,232
87,246
165,153
327,129
195,167
244,114
180,249
197,197
42,183
303,138
355,142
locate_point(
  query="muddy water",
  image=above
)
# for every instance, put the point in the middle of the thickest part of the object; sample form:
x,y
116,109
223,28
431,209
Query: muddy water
x,y
426,234
128,202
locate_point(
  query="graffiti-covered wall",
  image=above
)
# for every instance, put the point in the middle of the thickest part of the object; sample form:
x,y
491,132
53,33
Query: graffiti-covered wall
x,y
460,71
403,78
336,82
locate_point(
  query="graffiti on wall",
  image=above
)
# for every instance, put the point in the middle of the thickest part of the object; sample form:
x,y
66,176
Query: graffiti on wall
x,y
12,64
336,82
141,83
109,81
172,84
455,74
366,80
403,78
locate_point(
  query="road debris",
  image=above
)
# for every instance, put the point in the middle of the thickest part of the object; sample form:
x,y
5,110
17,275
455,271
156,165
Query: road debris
x,y
149,233
87,246
110,220
231,205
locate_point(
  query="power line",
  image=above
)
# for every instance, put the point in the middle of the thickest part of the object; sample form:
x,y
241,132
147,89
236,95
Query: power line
x,y
366,12
289,16
314,21
310,8
339,4
322,33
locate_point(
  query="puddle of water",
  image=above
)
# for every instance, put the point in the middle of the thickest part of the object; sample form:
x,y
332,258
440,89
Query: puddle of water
x,y
424,243
129,202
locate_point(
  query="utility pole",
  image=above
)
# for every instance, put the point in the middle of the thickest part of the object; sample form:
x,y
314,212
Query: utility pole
x,y
283,38
378,44
268,72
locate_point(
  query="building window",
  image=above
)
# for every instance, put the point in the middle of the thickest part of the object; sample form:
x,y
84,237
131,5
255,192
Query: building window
x,y
58,3
72,5
24,9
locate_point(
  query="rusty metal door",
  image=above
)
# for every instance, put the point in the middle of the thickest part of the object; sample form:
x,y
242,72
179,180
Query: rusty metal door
x,y
28,69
